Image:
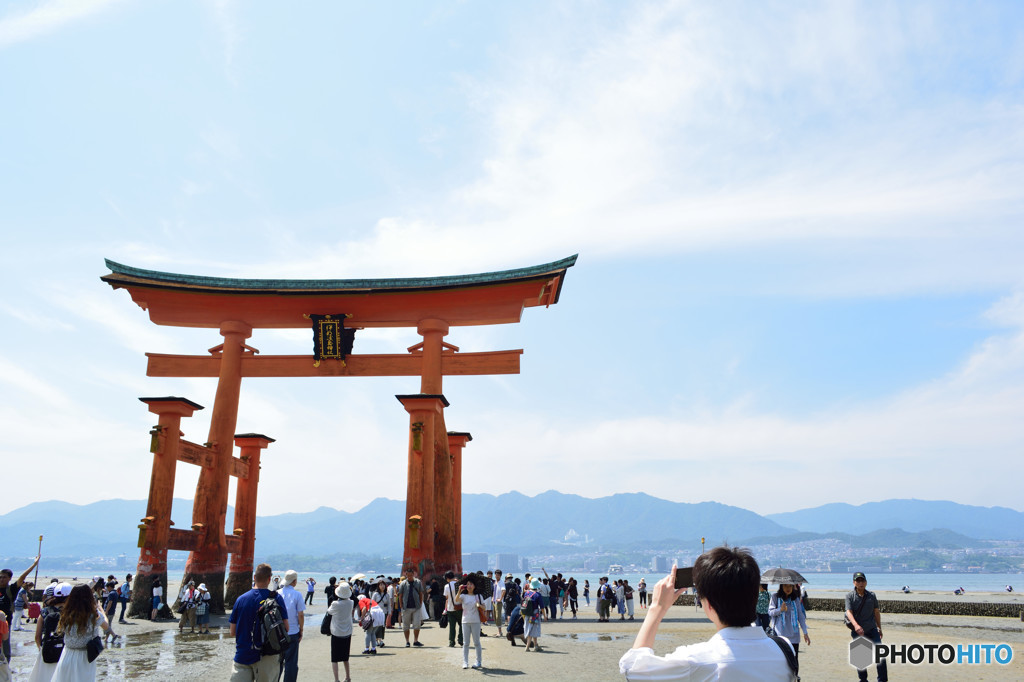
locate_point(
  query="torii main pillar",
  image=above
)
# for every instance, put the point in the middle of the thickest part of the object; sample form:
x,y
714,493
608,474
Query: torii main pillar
x,y
421,505
209,511
432,532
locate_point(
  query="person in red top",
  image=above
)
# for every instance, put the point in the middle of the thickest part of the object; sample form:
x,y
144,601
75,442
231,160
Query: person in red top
x,y
5,636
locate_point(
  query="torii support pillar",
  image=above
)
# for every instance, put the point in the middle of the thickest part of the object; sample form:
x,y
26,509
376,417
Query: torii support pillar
x,y
446,526
240,574
456,442
207,564
154,531
425,412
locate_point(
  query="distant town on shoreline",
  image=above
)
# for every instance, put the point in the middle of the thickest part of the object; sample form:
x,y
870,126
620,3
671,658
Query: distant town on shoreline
x,y
632,531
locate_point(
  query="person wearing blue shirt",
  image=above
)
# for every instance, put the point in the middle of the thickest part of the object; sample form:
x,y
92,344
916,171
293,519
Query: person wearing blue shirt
x,y
126,596
249,664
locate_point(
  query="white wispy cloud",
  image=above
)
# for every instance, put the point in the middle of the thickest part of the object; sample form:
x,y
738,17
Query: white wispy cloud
x,y
225,16
120,318
34,318
47,17
16,376
688,129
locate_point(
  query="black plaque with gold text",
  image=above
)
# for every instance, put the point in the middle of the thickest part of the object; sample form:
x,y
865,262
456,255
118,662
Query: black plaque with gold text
x,y
331,340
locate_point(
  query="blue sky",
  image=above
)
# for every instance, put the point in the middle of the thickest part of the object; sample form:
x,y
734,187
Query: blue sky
x,y
799,227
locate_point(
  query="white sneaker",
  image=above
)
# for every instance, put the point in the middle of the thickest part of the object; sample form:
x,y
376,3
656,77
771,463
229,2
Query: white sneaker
x,y
477,665
465,666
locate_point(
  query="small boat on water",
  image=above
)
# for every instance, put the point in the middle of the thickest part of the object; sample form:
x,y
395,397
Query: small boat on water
x,y
616,569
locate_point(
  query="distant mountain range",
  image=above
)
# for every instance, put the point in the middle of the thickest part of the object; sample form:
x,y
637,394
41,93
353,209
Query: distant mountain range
x,y
939,538
987,523
517,523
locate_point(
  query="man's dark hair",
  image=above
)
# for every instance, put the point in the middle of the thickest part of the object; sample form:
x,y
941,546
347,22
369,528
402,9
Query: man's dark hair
x,y
8,572
449,575
263,573
728,579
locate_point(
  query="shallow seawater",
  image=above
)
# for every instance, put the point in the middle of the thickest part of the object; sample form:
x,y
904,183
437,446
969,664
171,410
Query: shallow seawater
x,y
149,652
592,636
601,636
150,655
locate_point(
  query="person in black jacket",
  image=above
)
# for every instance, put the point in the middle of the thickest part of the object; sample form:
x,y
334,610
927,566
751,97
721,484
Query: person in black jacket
x,y
329,590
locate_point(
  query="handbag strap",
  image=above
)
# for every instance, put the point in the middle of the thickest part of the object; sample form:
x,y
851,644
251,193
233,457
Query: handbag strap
x,y
863,601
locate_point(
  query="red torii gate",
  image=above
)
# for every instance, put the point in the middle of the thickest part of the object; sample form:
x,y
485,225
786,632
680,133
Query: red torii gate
x,y
237,306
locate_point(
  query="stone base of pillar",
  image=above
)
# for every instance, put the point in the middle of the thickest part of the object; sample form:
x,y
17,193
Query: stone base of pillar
x,y
214,583
141,605
238,584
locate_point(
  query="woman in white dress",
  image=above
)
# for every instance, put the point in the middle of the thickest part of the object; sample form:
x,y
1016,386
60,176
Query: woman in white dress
x,y
43,671
81,619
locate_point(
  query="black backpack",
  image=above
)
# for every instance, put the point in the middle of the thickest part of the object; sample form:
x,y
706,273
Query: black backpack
x,y
270,622
791,660
511,596
53,643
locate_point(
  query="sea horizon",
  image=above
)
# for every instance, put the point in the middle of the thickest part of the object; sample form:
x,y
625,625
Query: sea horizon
x,y
884,582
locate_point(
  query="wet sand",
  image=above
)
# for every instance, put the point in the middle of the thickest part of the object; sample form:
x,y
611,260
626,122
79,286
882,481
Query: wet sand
x,y
571,650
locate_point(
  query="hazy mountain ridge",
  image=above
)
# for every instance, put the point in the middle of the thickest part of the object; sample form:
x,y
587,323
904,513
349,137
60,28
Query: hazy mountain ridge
x,y
937,538
987,523
517,523
513,520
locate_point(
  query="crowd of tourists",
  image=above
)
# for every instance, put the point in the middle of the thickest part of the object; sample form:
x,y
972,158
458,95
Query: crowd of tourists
x,y
466,606
75,622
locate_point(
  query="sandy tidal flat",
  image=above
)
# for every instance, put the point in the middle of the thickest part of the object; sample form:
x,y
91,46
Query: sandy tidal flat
x,y
571,650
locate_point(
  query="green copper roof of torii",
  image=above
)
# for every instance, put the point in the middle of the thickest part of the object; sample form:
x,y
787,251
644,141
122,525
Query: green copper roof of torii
x,y
284,286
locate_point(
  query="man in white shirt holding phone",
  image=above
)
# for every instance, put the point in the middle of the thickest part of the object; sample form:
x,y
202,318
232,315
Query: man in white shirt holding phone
x,y
728,581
